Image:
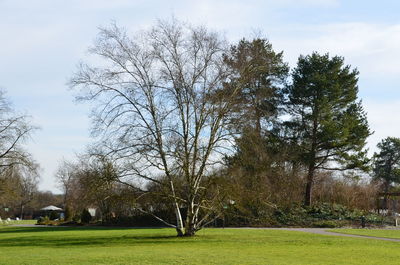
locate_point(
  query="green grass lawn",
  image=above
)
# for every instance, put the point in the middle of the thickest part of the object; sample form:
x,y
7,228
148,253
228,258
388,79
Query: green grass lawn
x,y
91,245
388,233
20,222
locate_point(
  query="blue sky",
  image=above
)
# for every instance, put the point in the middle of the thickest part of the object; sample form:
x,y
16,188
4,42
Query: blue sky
x,y
43,41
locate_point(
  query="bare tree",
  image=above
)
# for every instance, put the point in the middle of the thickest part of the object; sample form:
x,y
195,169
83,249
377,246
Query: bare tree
x,y
161,113
66,179
28,187
89,181
15,129
18,187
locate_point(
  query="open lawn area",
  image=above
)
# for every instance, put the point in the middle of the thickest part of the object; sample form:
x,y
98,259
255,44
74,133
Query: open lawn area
x,y
388,233
19,222
93,245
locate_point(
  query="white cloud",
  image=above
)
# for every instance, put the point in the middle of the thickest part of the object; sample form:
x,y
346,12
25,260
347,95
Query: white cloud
x,y
80,4
372,48
384,120
307,3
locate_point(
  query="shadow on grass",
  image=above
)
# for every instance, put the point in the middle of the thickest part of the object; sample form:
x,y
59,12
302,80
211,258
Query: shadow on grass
x,y
32,237
21,229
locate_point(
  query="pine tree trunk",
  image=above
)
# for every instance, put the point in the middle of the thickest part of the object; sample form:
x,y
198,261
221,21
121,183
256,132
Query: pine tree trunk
x,y
307,197
385,198
310,180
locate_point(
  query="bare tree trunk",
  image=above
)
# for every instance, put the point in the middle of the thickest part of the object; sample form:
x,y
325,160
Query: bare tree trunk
x,y
191,220
179,222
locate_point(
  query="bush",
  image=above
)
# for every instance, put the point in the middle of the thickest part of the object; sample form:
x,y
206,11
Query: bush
x,y
319,215
86,217
76,218
46,221
43,220
54,215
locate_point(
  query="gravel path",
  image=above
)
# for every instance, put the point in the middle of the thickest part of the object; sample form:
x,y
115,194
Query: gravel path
x,y
26,225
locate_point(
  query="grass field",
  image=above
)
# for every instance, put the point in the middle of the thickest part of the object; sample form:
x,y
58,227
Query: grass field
x,y
90,245
19,222
388,233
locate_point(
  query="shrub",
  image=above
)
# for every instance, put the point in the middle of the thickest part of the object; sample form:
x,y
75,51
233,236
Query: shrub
x,y
54,215
76,218
86,217
43,220
318,215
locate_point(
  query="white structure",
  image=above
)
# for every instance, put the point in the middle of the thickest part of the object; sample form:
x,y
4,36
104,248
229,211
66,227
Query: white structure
x,y
92,211
51,208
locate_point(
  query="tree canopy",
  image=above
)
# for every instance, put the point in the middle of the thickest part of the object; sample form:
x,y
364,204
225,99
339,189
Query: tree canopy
x,y
327,121
386,162
259,74
161,116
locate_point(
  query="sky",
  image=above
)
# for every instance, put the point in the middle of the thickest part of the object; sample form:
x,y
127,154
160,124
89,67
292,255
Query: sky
x,y
42,43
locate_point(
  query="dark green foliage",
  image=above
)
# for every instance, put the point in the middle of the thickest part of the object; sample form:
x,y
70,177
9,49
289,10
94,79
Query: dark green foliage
x,y
327,124
259,73
386,163
85,216
76,218
325,211
54,215
318,215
